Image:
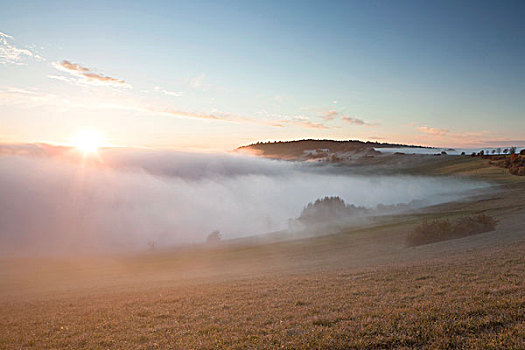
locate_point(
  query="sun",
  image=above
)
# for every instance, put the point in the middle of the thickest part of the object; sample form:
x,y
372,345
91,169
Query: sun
x,y
88,141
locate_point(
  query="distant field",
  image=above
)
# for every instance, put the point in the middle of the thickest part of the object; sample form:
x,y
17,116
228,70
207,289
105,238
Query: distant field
x,y
356,287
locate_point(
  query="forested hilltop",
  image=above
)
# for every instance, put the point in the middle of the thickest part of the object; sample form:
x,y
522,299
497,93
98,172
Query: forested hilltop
x,y
317,148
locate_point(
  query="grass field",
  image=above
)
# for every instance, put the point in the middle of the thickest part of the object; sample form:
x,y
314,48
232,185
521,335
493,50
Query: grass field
x,y
358,287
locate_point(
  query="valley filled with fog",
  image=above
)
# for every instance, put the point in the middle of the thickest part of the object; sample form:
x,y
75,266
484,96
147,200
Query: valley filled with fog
x,y
55,203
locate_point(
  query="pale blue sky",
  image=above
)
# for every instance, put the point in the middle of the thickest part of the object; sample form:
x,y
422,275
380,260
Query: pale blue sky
x,y
209,75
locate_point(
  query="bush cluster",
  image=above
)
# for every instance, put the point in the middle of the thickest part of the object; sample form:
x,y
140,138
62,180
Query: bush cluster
x,y
441,230
515,163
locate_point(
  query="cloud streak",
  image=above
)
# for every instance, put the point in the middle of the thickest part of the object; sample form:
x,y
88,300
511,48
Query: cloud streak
x,y
333,115
353,121
169,93
198,82
432,131
329,115
10,54
120,101
86,76
231,117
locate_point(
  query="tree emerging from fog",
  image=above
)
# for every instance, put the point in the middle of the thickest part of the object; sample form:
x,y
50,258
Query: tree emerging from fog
x,y
213,237
329,209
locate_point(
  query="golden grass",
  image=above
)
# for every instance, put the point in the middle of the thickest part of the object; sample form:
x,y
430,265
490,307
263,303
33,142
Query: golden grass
x,y
473,301
442,230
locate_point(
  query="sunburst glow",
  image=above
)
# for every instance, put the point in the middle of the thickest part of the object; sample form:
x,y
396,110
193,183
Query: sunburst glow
x,y
88,141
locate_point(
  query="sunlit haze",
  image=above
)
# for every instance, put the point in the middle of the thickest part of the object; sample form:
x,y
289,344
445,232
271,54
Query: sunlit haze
x,y
345,174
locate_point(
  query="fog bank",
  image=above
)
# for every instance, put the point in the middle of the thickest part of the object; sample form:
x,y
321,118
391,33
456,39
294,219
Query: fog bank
x,y
125,199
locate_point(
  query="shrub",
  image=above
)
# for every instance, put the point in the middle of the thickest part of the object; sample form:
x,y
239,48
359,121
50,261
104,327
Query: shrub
x,y
515,163
441,230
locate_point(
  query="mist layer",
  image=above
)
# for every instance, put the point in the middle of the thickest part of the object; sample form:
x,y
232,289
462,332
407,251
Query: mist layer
x,y
125,199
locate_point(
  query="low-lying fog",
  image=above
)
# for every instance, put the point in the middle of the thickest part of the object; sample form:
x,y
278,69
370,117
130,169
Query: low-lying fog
x,y
450,151
52,202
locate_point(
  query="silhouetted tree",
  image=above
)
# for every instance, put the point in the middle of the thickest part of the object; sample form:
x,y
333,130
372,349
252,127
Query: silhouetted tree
x,y
215,236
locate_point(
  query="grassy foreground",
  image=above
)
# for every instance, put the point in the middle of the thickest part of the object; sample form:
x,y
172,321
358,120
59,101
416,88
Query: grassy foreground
x,y
473,301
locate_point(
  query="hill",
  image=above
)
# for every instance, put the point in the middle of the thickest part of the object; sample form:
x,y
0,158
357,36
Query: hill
x,y
315,149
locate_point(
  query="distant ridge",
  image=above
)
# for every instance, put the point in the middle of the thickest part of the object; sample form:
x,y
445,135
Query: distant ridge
x,y
297,149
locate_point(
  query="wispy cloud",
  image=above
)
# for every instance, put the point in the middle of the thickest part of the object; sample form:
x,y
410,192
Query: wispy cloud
x,y
354,121
10,54
333,114
432,131
194,115
26,98
198,82
277,121
457,137
329,115
169,93
62,78
282,120
3,35
301,123
84,76
125,101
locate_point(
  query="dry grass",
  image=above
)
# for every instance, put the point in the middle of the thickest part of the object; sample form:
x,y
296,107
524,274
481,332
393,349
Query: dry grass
x,y
442,230
468,302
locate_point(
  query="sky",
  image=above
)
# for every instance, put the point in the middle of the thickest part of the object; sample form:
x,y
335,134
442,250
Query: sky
x,y
217,75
